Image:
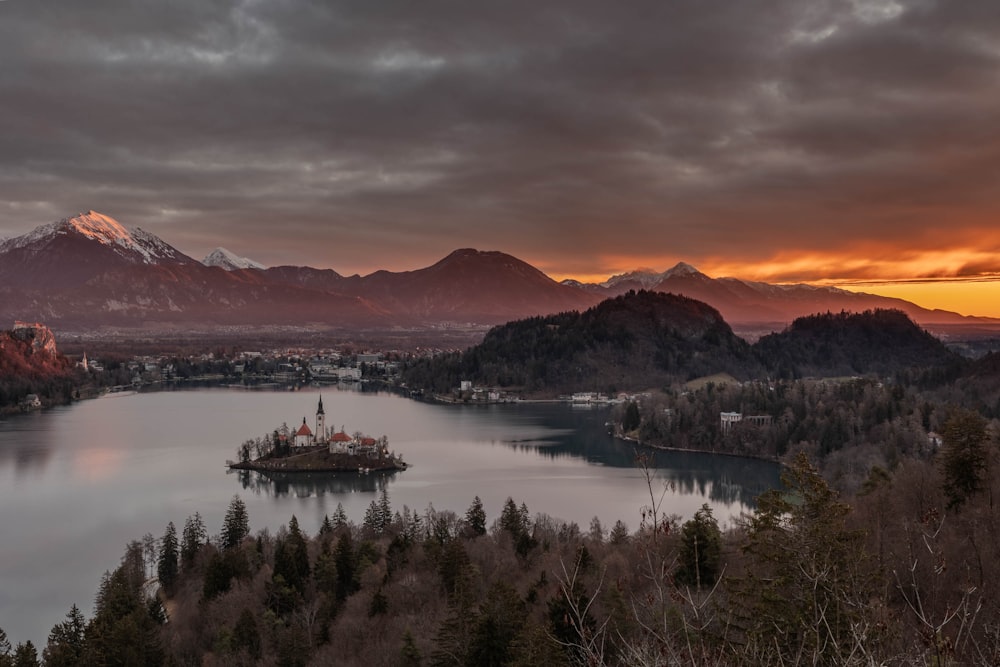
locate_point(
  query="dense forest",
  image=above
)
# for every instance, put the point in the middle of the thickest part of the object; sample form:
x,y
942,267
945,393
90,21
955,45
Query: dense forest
x,y
638,340
644,340
900,573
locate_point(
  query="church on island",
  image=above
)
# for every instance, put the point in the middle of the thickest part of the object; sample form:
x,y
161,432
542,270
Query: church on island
x,y
339,442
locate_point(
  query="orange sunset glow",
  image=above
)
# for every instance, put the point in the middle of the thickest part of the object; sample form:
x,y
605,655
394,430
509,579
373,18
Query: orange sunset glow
x,y
844,144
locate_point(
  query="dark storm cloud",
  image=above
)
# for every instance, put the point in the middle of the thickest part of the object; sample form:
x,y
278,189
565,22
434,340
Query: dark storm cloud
x,y
358,135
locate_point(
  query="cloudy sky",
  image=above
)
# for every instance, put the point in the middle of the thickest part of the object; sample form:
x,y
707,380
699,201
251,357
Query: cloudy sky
x,y
855,142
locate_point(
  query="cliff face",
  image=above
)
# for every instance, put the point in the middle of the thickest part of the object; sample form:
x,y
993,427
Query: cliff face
x,y
38,336
31,364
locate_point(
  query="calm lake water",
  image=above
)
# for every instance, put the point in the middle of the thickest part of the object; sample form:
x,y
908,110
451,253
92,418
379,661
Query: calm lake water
x,y
77,483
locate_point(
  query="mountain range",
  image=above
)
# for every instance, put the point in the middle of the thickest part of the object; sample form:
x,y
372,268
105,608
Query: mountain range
x,y
89,271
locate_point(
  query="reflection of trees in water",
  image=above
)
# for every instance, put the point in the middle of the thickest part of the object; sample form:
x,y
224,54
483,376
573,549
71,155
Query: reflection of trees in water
x,y
25,443
304,485
721,478
25,457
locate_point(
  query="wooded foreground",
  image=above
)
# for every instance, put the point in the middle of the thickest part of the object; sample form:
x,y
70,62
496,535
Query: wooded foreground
x,y
902,573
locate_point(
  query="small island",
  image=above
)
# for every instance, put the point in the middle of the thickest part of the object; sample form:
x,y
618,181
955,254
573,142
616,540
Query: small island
x,y
302,450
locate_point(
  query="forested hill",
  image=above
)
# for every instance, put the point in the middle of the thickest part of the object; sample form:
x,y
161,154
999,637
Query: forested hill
x,y
30,364
883,342
637,340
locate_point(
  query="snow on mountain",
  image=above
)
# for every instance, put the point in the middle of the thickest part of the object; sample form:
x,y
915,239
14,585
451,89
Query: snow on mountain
x,y
134,245
681,269
647,278
230,261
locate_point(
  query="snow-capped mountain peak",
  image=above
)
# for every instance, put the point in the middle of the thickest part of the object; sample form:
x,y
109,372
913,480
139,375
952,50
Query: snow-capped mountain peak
x,y
681,269
98,227
647,278
230,261
133,245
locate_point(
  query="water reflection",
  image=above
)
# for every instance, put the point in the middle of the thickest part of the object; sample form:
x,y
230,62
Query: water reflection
x,y
581,433
25,444
308,485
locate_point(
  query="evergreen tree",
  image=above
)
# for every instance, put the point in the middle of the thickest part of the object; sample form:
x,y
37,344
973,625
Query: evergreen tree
x,y
384,511
65,645
167,564
326,527
701,549
25,655
372,521
807,585
475,518
291,558
236,525
246,636
346,564
122,631
964,457
192,539
339,516
455,569
379,604
409,655
619,533
631,420
498,624
5,649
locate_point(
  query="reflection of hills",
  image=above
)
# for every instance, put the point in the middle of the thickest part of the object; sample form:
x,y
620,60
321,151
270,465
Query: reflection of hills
x,y
304,485
581,434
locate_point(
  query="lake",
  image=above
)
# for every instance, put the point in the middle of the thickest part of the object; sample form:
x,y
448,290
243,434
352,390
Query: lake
x,y
78,482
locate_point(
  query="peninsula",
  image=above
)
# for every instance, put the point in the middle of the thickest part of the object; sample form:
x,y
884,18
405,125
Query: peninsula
x,y
302,450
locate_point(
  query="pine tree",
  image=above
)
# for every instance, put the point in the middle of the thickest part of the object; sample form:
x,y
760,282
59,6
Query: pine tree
x,y
25,655
384,511
498,625
246,636
475,518
5,649
192,539
619,533
409,655
807,586
339,516
291,558
701,549
236,525
65,645
346,562
964,457
167,564
372,522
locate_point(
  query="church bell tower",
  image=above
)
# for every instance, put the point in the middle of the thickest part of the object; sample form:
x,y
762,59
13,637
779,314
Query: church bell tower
x,y
320,422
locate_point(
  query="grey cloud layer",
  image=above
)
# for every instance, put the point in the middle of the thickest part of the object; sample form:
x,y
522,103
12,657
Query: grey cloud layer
x,y
363,134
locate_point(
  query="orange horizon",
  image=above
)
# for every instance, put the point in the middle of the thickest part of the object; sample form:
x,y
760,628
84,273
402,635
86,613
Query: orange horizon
x,y
965,279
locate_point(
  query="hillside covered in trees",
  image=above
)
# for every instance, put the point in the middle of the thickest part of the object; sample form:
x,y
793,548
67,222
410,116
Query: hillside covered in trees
x,y
650,339
900,573
637,340
879,342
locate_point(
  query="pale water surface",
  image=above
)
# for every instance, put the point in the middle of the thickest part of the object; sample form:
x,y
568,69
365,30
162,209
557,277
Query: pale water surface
x,y
79,482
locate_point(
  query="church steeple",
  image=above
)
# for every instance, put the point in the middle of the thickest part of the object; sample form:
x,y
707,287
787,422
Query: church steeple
x,y
320,422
